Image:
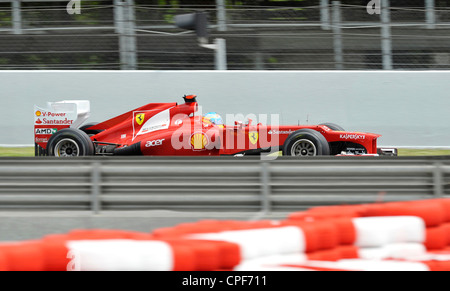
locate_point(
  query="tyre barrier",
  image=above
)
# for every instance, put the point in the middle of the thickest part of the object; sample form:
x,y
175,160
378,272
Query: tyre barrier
x,y
388,236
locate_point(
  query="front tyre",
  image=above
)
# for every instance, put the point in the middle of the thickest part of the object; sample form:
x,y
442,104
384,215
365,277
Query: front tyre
x,y
70,142
306,143
333,126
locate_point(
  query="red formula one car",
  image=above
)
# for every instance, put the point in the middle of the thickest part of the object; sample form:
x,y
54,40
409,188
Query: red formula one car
x,y
171,129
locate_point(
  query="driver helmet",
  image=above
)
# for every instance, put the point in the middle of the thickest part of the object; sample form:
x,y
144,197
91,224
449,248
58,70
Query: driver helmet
x,y
213,118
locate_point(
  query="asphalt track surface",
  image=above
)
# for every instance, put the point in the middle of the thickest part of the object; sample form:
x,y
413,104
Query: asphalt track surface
x,y
24,225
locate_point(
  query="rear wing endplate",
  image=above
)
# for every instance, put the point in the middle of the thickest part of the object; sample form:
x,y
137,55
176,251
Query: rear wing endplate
x,y
56,116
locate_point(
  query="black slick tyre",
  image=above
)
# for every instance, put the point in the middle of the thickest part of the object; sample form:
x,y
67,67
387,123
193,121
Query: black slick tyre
x,y
305,143
70,142
90,132
333,126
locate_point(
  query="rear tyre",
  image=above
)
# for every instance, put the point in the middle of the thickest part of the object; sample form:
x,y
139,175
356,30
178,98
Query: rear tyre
x,y
306,143
90,132
70,142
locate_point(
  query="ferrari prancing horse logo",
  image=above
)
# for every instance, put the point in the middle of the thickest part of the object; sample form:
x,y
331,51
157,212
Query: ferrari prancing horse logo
x,y
253,137
140,118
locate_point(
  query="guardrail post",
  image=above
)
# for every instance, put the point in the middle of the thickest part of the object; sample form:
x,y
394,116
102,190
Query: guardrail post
x,y
337,36
324,14
118,17
221,15
16,17
125,25
430,13
265,187
437,180
386,41
95,187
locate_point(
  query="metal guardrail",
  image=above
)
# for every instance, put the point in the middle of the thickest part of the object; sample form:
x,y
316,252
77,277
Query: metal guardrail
x,y
216,184
274,35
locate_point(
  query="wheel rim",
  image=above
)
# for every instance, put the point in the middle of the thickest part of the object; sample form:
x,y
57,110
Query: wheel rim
x,y
303,148
67,148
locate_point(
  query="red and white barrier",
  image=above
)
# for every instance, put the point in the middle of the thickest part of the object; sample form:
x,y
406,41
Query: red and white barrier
x,y
406,236
381,231
124,255
255,243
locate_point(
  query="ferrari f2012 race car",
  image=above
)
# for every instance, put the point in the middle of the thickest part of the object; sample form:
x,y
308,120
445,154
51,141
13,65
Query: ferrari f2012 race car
x,y
172,129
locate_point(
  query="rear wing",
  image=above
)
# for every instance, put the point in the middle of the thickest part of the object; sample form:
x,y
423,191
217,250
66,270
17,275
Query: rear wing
x,y
56,116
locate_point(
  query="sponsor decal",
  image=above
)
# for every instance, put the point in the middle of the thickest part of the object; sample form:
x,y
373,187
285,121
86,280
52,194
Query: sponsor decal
x,y
274,131
352,136
53,118
253,137
199,141
41,139
153,143
160,120
140,118
63,114
51,114
64,121
45,130
123,136
153,128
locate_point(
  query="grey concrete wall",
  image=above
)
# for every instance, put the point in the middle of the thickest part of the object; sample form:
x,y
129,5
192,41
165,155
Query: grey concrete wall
x,y
407,108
